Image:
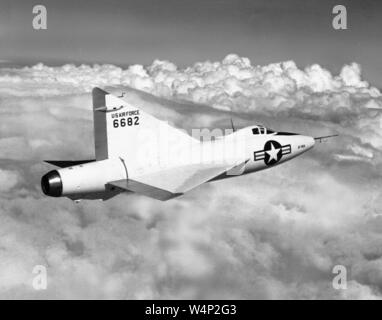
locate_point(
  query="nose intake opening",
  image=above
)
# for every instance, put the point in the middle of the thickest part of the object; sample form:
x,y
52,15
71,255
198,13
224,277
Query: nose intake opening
x,y
51,184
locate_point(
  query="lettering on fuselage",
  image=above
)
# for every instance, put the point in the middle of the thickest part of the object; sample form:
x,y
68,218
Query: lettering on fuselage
x,y
272,153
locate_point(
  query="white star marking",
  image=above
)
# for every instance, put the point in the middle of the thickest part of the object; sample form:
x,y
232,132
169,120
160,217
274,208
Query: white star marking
x,y
273,153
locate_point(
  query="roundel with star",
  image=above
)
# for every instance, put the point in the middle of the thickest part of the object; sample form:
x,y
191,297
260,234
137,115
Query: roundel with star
x,y
272,153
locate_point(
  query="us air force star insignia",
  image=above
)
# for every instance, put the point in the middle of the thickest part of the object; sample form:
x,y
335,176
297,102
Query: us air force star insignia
x,y
272,153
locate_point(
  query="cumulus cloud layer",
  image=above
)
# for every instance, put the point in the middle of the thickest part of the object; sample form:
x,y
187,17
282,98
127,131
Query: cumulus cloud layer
x,y
273,234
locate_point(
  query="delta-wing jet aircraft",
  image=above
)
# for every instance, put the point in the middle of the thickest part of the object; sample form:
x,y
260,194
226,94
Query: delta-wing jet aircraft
x,y
136,152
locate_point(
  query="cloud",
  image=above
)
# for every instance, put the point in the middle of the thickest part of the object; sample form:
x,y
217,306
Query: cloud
x,y
8,180
274,234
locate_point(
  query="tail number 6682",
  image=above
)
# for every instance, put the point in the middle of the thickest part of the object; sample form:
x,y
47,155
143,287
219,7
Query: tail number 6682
x,y
128,121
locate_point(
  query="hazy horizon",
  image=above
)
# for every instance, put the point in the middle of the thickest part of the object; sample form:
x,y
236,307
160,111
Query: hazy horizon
x,y
184,32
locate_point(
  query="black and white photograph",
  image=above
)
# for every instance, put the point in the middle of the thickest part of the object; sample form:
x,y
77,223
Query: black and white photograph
x,y
190,150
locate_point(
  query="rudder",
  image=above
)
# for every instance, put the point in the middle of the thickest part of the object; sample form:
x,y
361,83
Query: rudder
x,y
100,125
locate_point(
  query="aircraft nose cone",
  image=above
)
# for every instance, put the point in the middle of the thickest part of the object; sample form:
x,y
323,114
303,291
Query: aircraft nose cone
x,y
51,184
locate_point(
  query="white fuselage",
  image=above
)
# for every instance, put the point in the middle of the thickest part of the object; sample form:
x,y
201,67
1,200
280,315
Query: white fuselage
x,y
257,151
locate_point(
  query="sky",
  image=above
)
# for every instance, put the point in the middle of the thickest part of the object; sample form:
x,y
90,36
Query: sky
x,y
275,234
186,31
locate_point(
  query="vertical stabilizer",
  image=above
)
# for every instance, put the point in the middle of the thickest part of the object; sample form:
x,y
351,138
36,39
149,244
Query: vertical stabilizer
x,y
124,130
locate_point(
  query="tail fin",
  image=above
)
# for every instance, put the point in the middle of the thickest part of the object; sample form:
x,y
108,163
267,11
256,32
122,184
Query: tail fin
x,y
123,130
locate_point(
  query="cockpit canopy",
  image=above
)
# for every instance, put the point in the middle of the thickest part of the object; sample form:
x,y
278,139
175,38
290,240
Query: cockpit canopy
x,y
261,130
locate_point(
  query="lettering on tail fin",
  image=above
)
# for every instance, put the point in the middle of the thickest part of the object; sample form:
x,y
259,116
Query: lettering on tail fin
x,y
123,130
